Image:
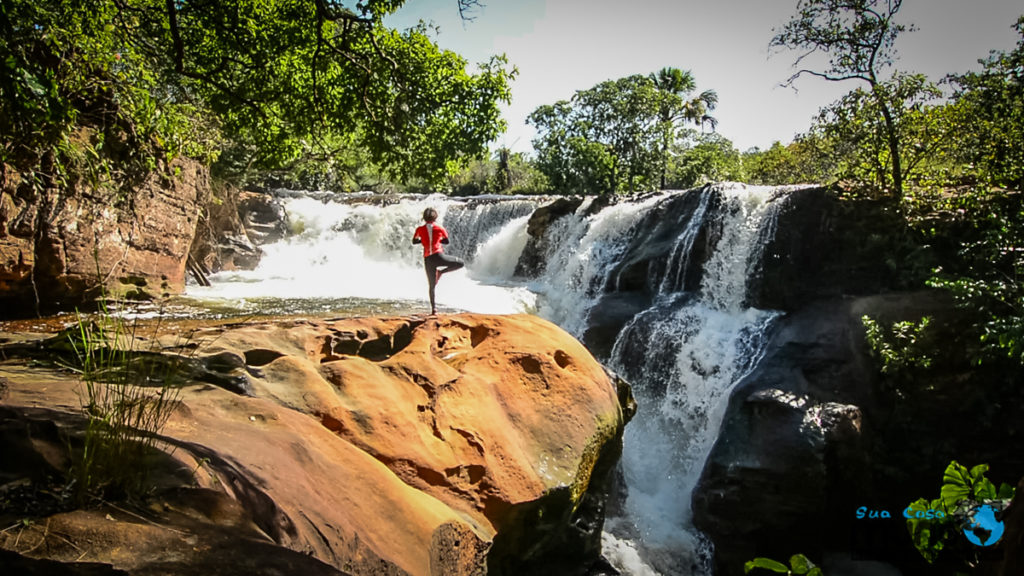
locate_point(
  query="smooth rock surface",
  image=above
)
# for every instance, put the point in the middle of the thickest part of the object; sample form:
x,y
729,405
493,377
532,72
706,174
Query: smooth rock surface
x,y
454,445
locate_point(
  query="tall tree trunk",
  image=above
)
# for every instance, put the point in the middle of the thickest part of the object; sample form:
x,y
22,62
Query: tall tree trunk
x,y
892,139
664,159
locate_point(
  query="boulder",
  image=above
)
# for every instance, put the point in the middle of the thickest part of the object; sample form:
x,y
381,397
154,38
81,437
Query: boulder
x,y
456,445
531,261
815,431
62,247
263,217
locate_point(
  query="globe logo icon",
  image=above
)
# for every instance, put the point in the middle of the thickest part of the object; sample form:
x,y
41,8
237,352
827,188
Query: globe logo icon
x,y
983,528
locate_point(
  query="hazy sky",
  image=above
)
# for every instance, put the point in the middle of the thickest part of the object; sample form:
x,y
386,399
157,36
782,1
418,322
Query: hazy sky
x,y
560,46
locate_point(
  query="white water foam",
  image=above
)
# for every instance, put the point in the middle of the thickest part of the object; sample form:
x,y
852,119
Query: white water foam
x,y
339,250
707,345
582,252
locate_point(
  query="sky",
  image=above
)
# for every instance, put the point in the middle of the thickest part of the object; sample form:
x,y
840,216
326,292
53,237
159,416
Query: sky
x,y
561,46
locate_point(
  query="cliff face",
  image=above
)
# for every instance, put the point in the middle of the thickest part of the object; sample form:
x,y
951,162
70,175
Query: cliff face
x,y
816,430
456,445
59,246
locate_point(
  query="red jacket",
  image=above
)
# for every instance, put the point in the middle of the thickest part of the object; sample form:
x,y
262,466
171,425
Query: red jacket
x,y
431,236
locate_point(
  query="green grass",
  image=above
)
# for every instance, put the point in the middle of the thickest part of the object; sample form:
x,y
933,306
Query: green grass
x,y
126,397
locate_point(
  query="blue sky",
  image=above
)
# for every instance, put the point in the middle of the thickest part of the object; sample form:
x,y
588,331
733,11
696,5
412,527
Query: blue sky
x,y
560,46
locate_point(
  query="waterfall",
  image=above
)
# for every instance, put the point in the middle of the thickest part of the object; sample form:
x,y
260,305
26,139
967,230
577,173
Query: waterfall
x,y
582,252
346,252
669,273
696,347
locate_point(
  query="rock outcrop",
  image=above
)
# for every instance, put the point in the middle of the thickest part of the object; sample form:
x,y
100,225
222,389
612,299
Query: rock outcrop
x,y
816,431
62,247
531,261
455,445
232,228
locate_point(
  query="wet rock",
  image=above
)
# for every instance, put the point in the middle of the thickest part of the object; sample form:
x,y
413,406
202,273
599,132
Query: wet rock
x,y
263,217
531,261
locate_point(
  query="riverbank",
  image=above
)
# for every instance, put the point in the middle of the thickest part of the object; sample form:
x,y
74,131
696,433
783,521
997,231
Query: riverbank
x,y
405,445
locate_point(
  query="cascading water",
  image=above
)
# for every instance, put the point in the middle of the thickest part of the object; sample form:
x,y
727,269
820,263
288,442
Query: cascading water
x,y
345,254
689,255
683,356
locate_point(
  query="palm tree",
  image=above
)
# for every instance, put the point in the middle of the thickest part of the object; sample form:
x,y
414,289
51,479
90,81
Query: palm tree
x,y
674,84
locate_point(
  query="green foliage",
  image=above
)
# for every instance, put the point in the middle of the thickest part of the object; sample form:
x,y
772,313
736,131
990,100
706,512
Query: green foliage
x,y
989,114
126,398
273,81
859,131
984,262
706,158
962,490
902,347
506,172
798,564
857,36
617,135
805,160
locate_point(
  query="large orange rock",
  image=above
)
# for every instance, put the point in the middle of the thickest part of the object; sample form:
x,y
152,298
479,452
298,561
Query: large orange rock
x,y
462,444
61,246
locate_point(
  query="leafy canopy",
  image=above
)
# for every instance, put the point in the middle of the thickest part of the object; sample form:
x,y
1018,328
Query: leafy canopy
x,y
618,135
270,80
857,38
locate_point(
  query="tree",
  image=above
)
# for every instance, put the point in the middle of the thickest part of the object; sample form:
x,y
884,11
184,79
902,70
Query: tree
x,y
616,135
857,36
980,223
280,78
709,158
809,158
861,137
673,85
989,111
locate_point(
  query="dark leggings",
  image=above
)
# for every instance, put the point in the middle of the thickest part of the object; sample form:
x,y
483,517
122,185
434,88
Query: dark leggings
x,y
439,262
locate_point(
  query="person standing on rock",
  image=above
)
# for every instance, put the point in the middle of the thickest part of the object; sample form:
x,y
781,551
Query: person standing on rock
x,y
432,235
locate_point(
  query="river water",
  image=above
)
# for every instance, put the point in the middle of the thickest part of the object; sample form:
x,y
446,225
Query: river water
x,y
683,348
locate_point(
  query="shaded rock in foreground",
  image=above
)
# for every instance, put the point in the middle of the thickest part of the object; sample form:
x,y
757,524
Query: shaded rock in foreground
x,y
814,432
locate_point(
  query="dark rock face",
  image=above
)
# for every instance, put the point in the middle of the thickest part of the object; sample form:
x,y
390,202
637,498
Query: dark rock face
x,y
824,248
531,261
63,247
791,451
815,431
234,227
